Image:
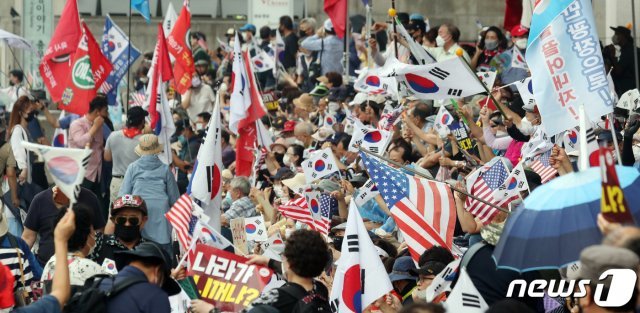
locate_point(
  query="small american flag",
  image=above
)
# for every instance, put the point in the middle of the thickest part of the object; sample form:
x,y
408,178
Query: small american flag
x,y
424,210
137,99
489,180
299,210
543,168
182,219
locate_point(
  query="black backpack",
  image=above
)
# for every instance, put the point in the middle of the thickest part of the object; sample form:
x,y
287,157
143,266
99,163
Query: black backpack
x,y
308,302
93,299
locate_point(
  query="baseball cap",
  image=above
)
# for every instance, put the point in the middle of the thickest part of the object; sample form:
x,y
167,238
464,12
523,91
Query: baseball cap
x,y
151,250
289,126
596,259
320,91
328,25
622,30
360,97
531,107
402,268
519,31
417,25
416,17
230,32
129,202
248,27
429,268
283,173
323,133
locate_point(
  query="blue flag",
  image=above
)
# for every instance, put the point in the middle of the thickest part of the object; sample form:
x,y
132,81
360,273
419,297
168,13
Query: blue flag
x,y
117,48
142,6
566,64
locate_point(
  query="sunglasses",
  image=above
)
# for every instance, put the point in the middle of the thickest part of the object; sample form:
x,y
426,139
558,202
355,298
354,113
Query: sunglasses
x,y
122,220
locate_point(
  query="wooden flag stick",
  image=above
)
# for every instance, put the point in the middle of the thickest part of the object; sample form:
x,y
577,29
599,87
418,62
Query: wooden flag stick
x,y
459,53
454,188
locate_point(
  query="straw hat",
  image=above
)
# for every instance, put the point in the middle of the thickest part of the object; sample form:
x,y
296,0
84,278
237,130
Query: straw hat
x,y
296,183
305,101
148,145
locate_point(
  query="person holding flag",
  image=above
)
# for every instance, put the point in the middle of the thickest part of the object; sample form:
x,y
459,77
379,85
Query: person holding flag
x,y
329,47
503,63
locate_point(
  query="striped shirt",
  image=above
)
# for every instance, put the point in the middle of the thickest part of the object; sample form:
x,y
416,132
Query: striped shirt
x,y
9,257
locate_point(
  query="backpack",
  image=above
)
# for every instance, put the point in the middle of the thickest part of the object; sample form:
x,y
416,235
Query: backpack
x,y
93,299
308,302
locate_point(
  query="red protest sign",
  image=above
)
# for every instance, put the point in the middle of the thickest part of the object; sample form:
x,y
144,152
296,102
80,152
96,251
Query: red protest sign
x,y
226,280
614,206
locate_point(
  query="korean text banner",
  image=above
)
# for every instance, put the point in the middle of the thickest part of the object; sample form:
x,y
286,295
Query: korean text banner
x,y
225,280
566,64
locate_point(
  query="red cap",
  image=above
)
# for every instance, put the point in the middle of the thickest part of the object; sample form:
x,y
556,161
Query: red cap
x,y
289,126
6,287
519,31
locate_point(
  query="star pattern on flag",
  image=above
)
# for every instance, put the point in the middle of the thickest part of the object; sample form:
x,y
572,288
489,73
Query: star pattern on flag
x,y
326,203
391,183
495,176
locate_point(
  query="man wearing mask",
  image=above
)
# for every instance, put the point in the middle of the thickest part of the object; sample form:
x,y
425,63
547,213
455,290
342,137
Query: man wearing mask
x,y
447,41
128,214
248,31
307,28
290,42
303,132
620,56
199,98
15,89
329,47
502,63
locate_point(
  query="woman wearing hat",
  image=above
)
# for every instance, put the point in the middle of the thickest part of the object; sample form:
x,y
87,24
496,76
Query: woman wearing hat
x,y
153,181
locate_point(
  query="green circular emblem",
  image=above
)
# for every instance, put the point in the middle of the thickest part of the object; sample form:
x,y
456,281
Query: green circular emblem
x,y
81,74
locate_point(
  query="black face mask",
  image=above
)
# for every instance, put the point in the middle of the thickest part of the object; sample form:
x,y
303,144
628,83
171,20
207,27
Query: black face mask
x,y
337,242
31,116
127,233
279,157
302,34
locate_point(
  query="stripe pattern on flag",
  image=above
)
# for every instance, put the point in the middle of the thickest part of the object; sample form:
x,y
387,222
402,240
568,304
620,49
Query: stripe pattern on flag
x,y
298,209
543,168
182,219
489,180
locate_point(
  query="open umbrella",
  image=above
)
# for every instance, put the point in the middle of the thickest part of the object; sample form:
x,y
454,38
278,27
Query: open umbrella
x,y
15,41
558,220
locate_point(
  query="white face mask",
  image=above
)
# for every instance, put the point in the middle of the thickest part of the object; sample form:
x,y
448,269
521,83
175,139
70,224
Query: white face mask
x,y
195,81
286,160
522,43
526,127
287,233
245,37
199,126
298,142
440,41
232,43
500,134
490,44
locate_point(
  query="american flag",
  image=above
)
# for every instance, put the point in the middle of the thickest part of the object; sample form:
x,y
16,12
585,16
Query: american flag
x,y
488,180
424,210
543,168
299,210
389,117
182,219
137,99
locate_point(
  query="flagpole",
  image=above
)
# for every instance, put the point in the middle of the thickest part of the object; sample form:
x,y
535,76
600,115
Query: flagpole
x,y
129,61
368,33
392,13
464,192
459,53
346,44
635,40
615,138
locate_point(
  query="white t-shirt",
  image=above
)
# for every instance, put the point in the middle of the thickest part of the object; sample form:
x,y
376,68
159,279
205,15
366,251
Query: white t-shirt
x,y
79,269
14,92
202,100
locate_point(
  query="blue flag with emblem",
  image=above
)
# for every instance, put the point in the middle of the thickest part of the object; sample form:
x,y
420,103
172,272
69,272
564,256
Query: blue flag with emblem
x,y
117,48
142,6
566,64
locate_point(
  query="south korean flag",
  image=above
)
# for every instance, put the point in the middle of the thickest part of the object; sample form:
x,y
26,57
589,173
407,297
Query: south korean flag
x,y
320,164
443,120
515,182
487,78
367,192
371,139
525,88
465,297
255,228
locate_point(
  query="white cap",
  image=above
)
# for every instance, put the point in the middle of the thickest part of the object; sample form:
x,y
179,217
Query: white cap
x,y
328,25
359,98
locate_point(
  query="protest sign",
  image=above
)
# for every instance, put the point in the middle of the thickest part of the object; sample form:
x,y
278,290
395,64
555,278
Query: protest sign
x,y
226,280
239,235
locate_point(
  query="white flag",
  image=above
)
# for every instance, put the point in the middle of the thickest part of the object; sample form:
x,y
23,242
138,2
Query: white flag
x,y
538,143
571,140
374,140
365,193
264,135
207,235
487,78
66,166
360,277
262,62
518,60
277,49
629,100
320,164
371,82
169,21
418,52
443,120
465,297
612,88
515,182
240,96
206,180
443,80
525,88
255,228
442,282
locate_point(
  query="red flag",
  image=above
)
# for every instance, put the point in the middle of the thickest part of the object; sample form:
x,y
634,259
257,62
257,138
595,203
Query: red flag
x,y
614,205
512,13
178,45
161,67
337,11
89,69
55,63
247,134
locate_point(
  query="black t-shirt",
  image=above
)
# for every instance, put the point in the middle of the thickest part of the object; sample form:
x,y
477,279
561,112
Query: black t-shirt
x,y
283,301
290,50
42,216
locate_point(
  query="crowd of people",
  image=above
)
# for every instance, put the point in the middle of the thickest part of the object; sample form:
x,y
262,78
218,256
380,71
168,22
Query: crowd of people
x,y
119,213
